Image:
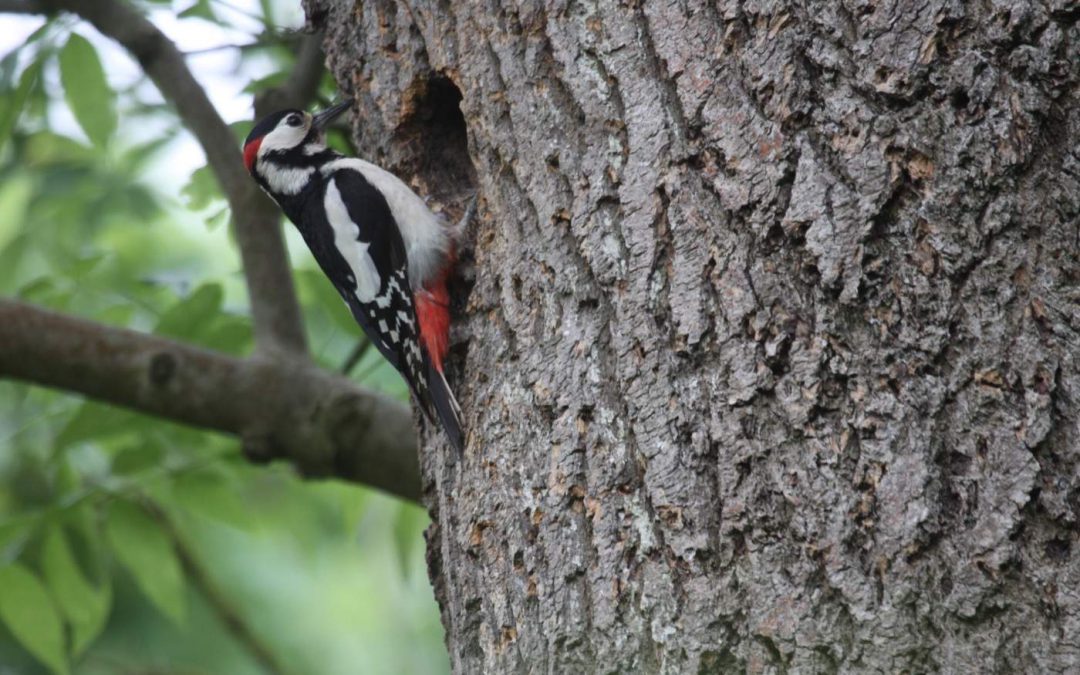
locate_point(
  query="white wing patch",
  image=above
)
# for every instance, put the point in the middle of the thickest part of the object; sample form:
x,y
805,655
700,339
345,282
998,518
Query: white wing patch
x,y
424,234
355,253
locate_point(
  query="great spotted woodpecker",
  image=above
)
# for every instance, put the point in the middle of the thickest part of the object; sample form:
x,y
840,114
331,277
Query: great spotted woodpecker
x,y
383,249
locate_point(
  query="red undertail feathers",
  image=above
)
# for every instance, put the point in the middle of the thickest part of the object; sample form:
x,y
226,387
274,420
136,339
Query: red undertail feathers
x,y
433,312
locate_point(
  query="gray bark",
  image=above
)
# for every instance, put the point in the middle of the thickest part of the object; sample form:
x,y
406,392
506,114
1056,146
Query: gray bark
x,y
768,332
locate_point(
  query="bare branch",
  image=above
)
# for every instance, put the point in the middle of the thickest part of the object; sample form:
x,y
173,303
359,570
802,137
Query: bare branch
x,y
222,48
215,596
303,82
274,307
20,7
281,408
357,353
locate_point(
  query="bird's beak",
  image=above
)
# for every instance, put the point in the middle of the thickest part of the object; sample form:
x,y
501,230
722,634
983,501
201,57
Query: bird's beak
x,y
324,118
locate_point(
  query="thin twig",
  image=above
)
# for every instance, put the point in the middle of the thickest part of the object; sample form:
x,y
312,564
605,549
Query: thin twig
x,y
221,48
300,88
243,12
20,7
265,40
357,353
200,577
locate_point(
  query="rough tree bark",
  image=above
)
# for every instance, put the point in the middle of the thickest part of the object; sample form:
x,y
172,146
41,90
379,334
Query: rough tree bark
x,y
769,351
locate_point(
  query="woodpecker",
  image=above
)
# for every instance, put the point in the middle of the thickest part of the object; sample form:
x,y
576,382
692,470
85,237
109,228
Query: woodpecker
x,y
377,241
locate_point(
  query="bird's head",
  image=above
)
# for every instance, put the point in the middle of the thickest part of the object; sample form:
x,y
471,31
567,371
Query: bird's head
x,y
289,131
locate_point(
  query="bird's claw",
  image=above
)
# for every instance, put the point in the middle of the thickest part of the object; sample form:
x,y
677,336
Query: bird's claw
x,y
470,213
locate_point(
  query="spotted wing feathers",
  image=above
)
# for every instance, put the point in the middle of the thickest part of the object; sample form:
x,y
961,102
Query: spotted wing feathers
x,y
356,241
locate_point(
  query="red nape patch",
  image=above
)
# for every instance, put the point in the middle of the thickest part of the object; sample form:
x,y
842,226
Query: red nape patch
x,y
433,313
250,151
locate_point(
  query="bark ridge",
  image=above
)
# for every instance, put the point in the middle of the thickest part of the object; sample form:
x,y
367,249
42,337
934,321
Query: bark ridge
x,y
769,352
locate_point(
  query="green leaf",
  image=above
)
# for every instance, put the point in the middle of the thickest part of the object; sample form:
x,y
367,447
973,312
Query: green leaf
x,y
229,334
141,202
377,373
275,79
29,613
189,316
339,141
146,551
66,479
137,459
94,421
15,195
12,260
12,105
317,293
267,12
212,494
241,129
201,189
201,9
85,264
14,533
39,291
117,315
85,606
139,155
40,32
409,524
45,148
7,69
218,219
87,91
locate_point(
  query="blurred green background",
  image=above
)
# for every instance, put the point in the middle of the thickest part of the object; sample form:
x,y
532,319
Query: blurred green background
x,y
128,544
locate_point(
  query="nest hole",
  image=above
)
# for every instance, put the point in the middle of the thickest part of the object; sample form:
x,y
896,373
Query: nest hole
x,y
436,138
435,131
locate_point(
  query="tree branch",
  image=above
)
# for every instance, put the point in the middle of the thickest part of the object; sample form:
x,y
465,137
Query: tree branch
x,y
357,353
303,82
282,408
274,307
20,7
201,578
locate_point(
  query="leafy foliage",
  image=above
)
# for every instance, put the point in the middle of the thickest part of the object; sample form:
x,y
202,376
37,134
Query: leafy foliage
x,y
142,546
84,605
25,606
87,92
101,507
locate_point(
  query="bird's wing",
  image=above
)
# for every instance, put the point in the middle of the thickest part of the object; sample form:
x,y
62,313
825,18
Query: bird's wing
x,y
353,237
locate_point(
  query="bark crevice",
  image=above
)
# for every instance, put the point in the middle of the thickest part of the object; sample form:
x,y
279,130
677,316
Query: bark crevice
x,y
771,344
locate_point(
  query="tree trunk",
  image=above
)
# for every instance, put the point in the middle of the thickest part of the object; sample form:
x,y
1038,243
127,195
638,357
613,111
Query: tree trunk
x,y
768,331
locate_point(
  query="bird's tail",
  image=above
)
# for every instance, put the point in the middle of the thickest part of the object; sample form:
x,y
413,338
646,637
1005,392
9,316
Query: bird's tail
x,y
446,408
432,303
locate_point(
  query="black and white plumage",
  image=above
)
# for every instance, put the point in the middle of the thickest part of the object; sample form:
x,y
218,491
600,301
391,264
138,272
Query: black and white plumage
x,y
373,237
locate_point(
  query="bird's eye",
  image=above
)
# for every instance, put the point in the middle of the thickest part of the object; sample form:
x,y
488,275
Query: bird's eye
x,y
294,121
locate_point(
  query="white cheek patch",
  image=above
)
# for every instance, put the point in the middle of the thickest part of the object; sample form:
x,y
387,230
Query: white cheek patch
x,y
282,137
285,180
354,252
